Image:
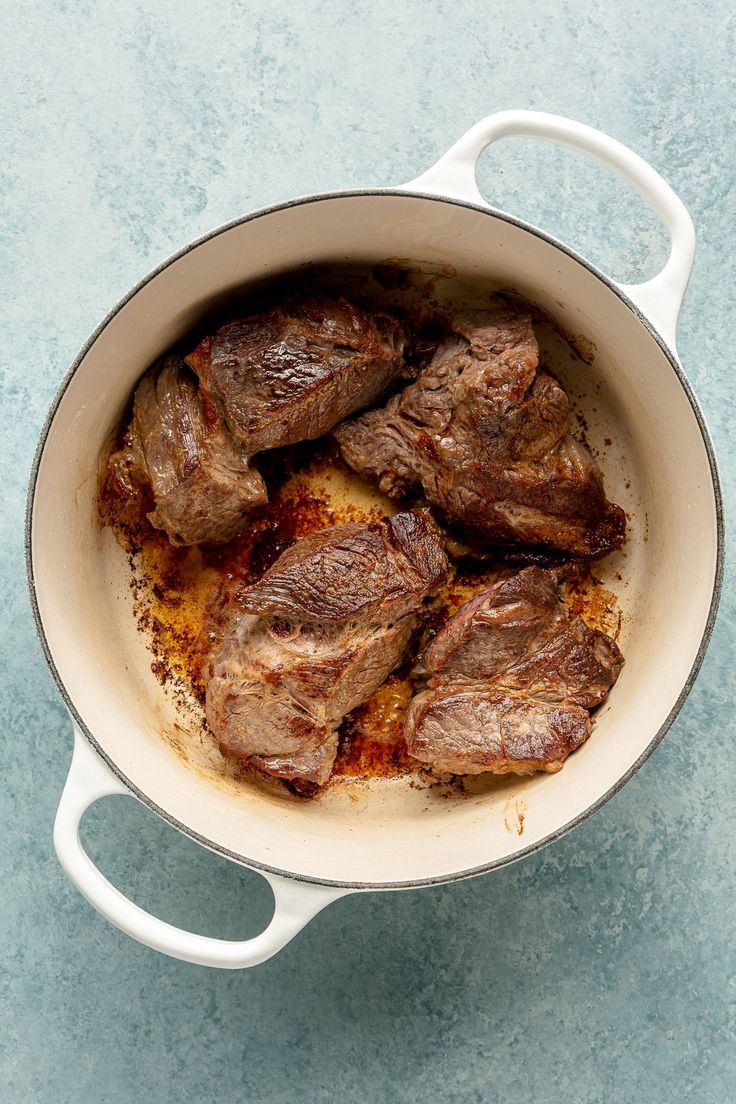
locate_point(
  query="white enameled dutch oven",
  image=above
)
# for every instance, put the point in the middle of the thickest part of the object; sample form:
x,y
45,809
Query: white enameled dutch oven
x,y
384,834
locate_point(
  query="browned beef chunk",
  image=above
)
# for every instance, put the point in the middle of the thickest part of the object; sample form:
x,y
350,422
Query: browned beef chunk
x,y
322,630
511,676
292,373
488,438
469,730
278,693
375,572
520,634
271,379
202,482
492,631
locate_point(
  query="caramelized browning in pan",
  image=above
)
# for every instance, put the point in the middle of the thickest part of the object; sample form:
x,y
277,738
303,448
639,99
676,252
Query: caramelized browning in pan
x,y
301,604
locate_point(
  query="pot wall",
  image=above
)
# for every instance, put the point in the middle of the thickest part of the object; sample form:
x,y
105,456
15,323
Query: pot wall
x,y
381,833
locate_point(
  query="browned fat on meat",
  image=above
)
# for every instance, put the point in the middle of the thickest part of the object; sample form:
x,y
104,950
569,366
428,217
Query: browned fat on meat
x,y
201,480
488,437
323,629
290,374
512,676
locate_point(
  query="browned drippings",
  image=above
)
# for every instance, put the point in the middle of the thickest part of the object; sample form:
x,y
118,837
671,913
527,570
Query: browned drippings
x,y
372,736
588,598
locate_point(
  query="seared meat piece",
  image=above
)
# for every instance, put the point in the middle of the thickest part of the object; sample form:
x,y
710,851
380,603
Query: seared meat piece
x,y
291,373
375,572
202,483
491,632
278,693
322,630
578,664
285,375
519,634
511,676
468,730
488,437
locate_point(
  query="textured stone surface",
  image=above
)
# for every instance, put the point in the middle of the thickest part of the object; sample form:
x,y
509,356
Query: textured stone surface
x,y
600,969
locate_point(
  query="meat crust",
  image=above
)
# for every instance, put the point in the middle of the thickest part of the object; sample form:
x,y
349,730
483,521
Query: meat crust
x,y
321,631
486,435
512,676
292,373
202,482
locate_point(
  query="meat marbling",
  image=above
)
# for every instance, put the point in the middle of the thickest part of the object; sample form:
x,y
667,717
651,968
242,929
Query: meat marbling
x,y
512,676
487,436
303,656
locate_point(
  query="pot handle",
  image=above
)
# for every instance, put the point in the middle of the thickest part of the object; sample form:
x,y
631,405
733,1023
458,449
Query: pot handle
x,y
659,298
295,902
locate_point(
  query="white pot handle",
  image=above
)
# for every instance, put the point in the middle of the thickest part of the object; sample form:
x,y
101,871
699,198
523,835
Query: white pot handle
x,y
659,298
295,902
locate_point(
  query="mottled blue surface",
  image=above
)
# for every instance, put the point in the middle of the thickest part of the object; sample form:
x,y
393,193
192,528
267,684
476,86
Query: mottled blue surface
x,y
602,969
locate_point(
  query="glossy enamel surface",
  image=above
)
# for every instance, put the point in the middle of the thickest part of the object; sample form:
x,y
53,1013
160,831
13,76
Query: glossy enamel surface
x,y
383,833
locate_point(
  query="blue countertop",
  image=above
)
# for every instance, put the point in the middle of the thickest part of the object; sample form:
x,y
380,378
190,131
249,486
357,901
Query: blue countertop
x,y
601,969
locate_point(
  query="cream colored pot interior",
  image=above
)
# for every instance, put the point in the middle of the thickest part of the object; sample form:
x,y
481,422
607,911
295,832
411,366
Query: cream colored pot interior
x,y
386,831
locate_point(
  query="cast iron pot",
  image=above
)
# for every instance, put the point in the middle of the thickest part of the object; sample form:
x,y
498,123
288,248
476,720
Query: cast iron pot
x,y
386,834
